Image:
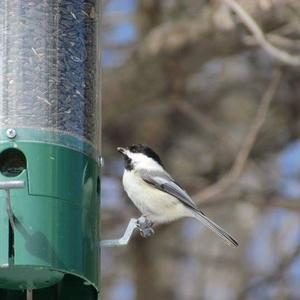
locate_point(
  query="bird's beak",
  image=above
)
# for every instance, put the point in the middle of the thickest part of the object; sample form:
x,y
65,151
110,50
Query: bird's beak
x,y
121,150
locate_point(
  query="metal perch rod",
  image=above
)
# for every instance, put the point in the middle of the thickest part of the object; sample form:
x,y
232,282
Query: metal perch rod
x,y
142,224
7,186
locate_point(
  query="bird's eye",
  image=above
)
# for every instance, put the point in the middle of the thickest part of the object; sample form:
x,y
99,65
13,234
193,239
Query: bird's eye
x,y
133,149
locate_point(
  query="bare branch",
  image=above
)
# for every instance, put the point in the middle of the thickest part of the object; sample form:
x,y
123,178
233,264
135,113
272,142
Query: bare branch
x,y
288,204
266,202
240,161
250,23
278,40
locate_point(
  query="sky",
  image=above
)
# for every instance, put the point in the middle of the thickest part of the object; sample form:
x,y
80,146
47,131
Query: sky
x,y
121,34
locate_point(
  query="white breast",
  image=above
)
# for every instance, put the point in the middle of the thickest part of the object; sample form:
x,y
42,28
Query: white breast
x,y
157,205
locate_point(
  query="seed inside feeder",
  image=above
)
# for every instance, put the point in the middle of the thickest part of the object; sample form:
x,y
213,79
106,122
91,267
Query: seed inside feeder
x,y
47,66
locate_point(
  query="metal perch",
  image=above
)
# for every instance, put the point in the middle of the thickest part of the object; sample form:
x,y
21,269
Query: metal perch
x,y
142,224
7,186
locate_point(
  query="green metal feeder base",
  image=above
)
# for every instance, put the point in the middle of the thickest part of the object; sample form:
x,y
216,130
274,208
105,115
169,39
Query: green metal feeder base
x,y
55,240
28,277
69,288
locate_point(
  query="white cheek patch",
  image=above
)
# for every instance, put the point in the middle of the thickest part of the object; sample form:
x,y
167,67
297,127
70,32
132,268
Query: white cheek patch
x,y
141,160
137,157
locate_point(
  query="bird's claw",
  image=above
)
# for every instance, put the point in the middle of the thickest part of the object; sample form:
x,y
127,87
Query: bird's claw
x,y
145,227
145,233
143,222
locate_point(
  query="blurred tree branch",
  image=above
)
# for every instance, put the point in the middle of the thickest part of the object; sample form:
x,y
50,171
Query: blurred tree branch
x,y
257,32
280,41
190,41
292,205
230,178
277,202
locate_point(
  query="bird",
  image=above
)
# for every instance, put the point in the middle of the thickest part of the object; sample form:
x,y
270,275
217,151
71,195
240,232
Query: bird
x,y
156,194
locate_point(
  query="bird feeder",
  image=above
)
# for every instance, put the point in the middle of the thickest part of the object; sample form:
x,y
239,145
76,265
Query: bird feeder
x,y
49,163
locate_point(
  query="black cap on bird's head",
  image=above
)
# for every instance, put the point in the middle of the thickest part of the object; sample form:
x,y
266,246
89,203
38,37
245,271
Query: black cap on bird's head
x,y
140,148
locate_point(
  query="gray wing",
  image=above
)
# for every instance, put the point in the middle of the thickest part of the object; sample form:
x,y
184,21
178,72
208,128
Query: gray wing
x,y
164,182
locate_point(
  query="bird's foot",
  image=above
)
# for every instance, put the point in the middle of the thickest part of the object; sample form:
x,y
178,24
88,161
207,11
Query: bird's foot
x,y
145,227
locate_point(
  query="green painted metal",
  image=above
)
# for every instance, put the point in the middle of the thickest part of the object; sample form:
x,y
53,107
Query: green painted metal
x,y
23,277
70,288
56,222
54,137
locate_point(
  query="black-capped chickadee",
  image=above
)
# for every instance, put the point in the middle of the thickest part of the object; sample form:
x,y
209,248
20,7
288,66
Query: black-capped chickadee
x,y
155,193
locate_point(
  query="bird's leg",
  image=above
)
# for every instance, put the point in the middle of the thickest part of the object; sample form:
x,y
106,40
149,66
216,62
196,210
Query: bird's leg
x,y
145,226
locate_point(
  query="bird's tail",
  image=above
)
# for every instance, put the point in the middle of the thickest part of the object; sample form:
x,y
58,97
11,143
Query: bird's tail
x,y
228,239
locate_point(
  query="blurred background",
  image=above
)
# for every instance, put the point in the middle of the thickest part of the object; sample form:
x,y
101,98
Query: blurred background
x,y
214,88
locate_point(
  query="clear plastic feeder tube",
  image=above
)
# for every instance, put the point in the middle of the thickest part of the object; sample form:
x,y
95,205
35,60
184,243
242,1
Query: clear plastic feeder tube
x,y
49,68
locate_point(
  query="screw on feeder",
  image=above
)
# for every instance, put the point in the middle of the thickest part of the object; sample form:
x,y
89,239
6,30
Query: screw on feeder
x,y
100,161
11,133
